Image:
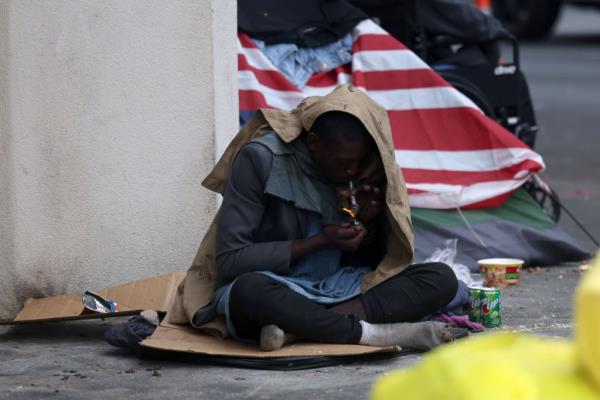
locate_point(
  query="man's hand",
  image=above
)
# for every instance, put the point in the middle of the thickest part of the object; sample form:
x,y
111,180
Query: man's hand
x,y
370,200
346,237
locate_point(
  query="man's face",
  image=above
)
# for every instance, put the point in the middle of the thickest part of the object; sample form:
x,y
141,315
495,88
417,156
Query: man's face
x,y
339,161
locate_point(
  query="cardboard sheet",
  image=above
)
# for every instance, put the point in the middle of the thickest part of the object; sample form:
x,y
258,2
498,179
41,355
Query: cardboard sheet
x,y
188,340
152,293
157,293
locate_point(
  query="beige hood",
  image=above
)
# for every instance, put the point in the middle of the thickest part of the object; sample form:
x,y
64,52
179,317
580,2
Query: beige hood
x,y
196,289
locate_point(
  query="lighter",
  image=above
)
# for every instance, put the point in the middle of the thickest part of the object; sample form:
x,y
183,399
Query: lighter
x,y
354,208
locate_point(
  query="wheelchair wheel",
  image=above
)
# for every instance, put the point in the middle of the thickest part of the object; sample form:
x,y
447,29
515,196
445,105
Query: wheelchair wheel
x,y
472,92
545,197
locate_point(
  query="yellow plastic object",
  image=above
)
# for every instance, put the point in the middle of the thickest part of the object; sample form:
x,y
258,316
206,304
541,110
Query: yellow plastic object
x,y
587,317
495,366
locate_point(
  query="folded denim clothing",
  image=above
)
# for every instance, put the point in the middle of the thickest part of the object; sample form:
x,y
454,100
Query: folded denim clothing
x,y
298,64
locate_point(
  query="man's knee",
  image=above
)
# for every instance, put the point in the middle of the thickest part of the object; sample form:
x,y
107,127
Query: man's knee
x,y
443,277
249,287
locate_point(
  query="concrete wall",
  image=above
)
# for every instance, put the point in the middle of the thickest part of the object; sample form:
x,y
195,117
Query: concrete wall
x,y
106,131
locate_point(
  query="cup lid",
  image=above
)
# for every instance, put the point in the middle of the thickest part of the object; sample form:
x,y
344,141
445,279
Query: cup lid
x,y
500,261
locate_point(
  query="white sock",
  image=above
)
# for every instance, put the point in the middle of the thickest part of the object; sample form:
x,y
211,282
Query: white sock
x,y
414,335
274,338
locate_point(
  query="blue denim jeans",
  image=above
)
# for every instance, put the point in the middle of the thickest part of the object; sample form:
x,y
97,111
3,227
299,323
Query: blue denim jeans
x,y
298,64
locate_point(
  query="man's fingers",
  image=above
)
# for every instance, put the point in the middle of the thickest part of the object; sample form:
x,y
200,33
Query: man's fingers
x,y
354,243
368,190
359,238
349,232
343,235
362,189
376,193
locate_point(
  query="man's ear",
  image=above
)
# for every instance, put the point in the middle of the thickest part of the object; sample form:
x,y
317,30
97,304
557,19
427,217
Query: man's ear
x,y
313,142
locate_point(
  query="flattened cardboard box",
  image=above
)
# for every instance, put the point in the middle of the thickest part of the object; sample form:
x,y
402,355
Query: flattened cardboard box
x,y
152,293
188,340
157,294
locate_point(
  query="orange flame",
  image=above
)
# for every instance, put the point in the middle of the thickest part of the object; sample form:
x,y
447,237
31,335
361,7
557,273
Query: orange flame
x,y
350,212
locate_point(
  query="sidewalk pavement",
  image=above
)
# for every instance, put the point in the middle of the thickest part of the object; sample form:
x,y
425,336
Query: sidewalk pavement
x,y
71,360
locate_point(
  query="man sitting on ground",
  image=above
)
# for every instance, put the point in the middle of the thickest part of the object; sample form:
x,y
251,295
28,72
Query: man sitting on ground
x,y
283,258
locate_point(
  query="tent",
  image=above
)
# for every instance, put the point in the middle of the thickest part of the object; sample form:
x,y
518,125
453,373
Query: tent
x,y
462,169
517,229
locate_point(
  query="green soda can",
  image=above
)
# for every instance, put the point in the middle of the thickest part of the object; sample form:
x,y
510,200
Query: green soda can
x,y
491,315
474,306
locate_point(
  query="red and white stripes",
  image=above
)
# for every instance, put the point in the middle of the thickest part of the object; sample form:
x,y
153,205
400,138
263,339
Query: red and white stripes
x,y
450,153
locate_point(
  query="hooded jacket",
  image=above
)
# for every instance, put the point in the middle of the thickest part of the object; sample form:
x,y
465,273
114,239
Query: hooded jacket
x,y
196,290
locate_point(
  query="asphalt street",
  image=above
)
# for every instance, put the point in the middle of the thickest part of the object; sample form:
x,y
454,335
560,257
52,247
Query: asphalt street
x,y
71,360
564,77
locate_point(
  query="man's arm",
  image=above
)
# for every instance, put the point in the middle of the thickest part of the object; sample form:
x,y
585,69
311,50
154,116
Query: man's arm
x,y
241,214
345,237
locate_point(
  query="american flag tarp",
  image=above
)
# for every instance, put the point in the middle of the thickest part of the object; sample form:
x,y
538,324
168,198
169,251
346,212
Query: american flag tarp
x,y
450,153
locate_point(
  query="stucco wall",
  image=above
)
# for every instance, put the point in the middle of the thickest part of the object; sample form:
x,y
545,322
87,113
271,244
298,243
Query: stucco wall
x,y
7,297
108,128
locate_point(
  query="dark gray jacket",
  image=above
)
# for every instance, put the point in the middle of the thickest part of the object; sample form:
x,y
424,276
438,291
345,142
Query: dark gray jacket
x,y
256,230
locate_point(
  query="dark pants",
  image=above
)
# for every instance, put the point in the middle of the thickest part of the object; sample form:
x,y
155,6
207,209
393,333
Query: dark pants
x,y
257,300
